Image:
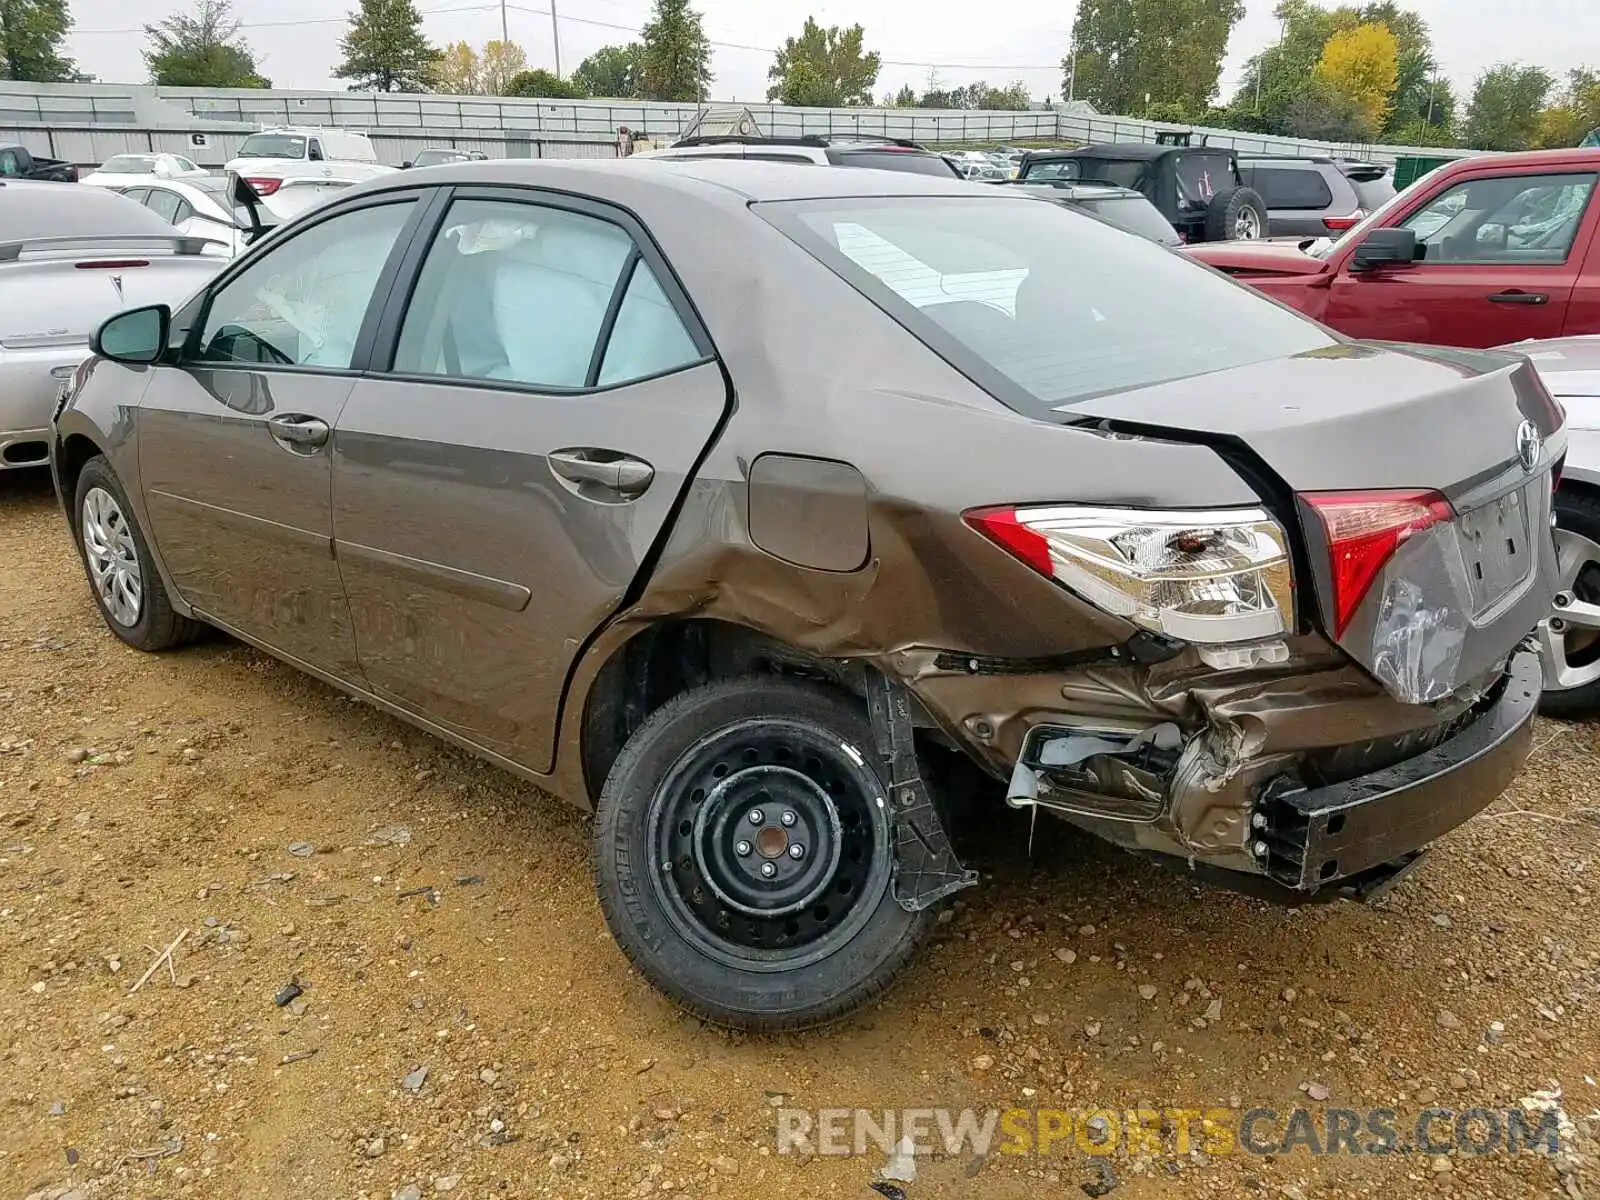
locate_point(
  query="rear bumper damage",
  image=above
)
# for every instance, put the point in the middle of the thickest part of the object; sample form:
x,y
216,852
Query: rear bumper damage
x,y
1309,780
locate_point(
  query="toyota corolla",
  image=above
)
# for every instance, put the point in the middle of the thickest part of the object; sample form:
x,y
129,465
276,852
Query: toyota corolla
x,y
740,500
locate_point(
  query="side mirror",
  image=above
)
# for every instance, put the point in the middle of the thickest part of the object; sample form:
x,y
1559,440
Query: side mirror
x,y
138,336
406,166
1385,248
245,197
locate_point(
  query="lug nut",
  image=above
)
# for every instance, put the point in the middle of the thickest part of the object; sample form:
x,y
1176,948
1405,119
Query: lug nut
x,y
768,870
742,849
1258,821
1260,849
757,816
788,819
797,851
1557,625
1563,599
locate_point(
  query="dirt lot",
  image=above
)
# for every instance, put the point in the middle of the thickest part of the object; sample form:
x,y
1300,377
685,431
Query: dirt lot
x,y
439,914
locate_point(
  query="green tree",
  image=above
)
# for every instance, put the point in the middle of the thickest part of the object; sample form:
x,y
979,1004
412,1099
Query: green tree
x,y
31,37
456,71
384,49
1506,106
1326,113
1012,98
1167,50
1275,78
201,48
539,82
906,97
611,71
1575,112
675,63
826,68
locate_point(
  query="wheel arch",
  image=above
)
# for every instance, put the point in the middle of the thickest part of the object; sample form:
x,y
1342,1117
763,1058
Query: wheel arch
x,y
74,453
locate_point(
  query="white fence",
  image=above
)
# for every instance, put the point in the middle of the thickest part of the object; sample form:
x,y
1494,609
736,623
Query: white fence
x,y
87,123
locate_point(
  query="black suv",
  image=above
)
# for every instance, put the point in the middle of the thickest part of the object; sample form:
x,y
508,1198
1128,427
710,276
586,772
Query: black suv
x,y
1198,189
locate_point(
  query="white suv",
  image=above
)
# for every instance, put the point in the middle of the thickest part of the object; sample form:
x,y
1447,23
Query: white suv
x,y
837,150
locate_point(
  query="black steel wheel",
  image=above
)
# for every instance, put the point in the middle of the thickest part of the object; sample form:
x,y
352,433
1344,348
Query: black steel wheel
x,y
743,855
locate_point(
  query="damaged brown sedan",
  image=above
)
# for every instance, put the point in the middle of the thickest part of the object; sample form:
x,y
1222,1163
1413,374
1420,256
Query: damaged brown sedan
x,y
735,499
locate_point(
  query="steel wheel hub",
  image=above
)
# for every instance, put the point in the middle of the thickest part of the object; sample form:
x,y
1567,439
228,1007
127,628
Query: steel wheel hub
x,y
113,559
1571,634
771,843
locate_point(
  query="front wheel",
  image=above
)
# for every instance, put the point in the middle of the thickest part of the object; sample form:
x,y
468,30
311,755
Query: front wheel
x,y
743,853
122,574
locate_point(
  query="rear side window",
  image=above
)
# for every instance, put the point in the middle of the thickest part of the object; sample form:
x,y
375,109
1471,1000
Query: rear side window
x,y
1290,187
894,160
1039,305
527,294
1066,168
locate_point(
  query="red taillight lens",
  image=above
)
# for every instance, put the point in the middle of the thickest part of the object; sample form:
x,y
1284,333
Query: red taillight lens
x,y
264,186
1340,224
112,264
1001,526
1364,529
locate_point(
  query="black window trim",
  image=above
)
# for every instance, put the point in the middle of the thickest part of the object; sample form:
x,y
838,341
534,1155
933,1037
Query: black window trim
x,y
386,339
1590,173
421,199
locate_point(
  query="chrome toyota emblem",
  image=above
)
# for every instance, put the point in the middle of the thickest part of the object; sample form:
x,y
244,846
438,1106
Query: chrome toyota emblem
x,y
1529,445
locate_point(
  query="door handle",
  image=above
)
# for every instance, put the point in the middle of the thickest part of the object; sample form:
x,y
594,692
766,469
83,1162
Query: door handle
x,y
298,429
1516,296
621,473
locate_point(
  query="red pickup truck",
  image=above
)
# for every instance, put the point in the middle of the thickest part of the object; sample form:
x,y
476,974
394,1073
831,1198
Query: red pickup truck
x,y
1482,252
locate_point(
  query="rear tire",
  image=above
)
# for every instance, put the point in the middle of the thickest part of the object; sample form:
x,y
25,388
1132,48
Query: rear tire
x,y
743,856
122,574
1236,214
1578,651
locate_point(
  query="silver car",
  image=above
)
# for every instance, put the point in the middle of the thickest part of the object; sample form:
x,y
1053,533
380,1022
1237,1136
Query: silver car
x,y
69,258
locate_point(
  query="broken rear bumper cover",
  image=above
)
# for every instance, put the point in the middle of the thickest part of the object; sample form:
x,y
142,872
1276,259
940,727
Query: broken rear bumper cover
x,y
1278,807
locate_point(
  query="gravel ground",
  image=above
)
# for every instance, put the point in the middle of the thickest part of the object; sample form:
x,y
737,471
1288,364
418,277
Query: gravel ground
x,y
437,914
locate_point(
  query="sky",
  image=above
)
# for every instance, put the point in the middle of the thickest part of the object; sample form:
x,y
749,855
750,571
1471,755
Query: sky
x,y
297,40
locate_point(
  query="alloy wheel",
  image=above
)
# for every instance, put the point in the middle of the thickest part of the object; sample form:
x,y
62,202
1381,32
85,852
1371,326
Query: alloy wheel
x,y
113,557
1571,635
1247,226
771,844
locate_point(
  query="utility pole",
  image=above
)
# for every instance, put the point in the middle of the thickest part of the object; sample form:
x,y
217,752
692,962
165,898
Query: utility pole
x,y
555,33
1072,75
1433,93
504,36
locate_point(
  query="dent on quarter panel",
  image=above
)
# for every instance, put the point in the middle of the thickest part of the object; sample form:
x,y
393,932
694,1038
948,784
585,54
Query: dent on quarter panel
x,y
809,511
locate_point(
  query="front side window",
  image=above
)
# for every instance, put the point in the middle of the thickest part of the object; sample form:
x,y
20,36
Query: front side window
x,y
1521,219
522,293
302,302
8,163
1040,305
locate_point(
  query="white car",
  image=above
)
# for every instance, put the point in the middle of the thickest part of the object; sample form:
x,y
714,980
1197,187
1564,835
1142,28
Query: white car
x,y
69,258
195,208
1570,368
125,170
296,152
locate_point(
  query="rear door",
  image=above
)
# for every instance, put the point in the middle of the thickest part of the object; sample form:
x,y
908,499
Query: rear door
x,y
234,438
545,394
1502,258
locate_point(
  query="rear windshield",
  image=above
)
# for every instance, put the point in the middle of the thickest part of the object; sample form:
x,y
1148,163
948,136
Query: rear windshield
x,y
129,164
1133,213
433,158
895,160
273,145
1040,305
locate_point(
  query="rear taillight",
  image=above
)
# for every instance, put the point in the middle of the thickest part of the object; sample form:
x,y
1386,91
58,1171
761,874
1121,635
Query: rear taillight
x,y
1364,529
265,185
1207,577
1340,224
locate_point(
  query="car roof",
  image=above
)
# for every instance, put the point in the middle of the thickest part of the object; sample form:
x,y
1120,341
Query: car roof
x,y
1528,158
730,182
35,209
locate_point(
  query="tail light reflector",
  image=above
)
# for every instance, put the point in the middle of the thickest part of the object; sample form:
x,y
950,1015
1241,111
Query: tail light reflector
x,y
1364,529
265,185
118,264
1208,577
1340,224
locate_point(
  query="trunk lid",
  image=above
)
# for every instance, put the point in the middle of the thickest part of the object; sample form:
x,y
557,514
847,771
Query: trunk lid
x,y
1479,429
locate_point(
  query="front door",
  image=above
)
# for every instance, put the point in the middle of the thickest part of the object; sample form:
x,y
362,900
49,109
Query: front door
x,y
1501,259
234,439
496,491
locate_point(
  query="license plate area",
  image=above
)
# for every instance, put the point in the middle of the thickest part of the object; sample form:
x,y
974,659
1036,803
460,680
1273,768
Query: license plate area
x,y
1497,547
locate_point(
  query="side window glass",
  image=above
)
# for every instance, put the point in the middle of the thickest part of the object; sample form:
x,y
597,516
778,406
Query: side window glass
x,y
315,152
514,292
302,303
164,204
648,338
184,211
8,163
138,195
1520,219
